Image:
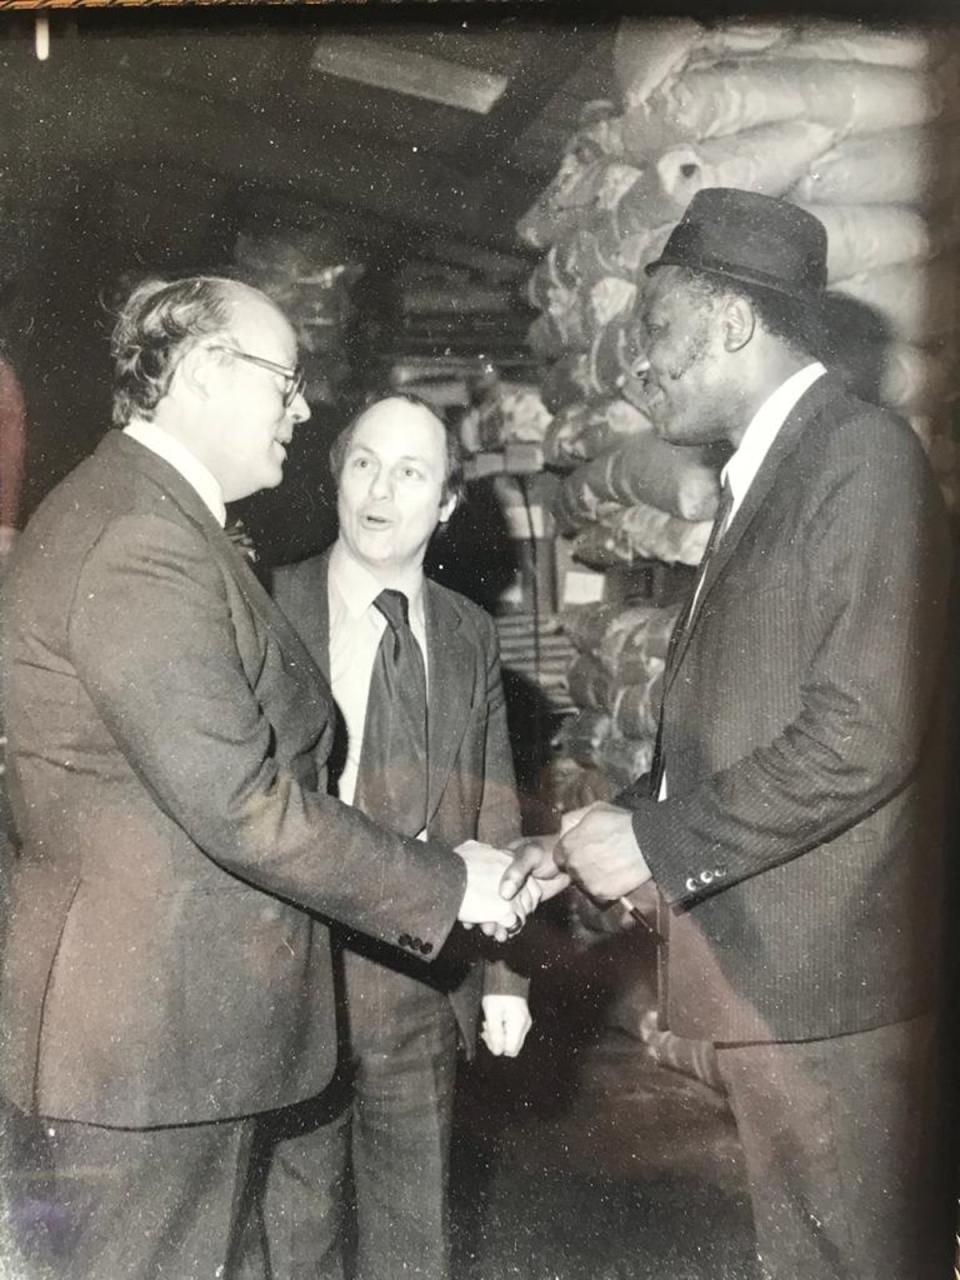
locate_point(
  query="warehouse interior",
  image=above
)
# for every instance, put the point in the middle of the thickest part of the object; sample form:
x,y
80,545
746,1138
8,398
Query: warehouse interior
x,y
460,202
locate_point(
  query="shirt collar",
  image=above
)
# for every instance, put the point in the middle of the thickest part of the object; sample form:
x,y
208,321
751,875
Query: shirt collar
x,y
764,428
358,588
182,460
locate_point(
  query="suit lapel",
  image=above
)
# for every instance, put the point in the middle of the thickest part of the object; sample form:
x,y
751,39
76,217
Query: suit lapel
x,y
257,598
310,581
806,409
194,509
451,659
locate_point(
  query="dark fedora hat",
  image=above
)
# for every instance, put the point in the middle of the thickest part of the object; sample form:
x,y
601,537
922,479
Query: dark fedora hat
x,y
754,239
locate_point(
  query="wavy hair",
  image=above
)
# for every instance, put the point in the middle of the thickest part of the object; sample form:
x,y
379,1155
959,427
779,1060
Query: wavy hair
x,y
155,323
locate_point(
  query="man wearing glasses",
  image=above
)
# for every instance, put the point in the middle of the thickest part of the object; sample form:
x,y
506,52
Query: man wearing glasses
x,y
167,969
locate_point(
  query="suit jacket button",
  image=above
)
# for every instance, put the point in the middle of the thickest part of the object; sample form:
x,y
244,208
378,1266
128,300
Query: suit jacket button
x,y
405,940
692,885
719,873
706,877
426,948
416,943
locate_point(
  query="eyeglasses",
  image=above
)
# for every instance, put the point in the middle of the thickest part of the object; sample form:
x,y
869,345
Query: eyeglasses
x,y
294,380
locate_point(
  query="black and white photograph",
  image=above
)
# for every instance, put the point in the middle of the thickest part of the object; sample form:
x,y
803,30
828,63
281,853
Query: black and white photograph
x,y
479,489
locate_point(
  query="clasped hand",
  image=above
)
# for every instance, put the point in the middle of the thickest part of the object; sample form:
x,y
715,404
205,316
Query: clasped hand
x,y
486,903
596,847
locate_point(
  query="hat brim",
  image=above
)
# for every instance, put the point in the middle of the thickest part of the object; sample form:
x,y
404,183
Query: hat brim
x,y
807,295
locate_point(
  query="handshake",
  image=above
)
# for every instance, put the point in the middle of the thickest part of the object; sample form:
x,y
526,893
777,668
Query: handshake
x,y
596,847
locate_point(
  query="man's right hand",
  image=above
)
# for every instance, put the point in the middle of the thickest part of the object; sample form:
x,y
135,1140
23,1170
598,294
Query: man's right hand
x,y
483,902
533,863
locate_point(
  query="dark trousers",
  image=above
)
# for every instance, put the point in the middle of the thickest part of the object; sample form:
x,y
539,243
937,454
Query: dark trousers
x,y
393,1127
839,1140
147,1204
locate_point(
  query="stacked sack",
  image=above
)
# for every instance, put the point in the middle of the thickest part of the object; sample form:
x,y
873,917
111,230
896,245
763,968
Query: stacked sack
x,y
616,679
853,123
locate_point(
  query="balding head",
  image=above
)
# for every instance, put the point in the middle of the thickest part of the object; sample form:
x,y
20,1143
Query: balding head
x,y
212,363
396,405
157,322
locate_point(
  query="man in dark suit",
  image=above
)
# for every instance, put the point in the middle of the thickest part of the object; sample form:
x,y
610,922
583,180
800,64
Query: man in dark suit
x,y
167,974
791,821
399,475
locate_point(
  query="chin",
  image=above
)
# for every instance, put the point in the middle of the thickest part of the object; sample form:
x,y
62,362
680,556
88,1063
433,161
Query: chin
x,y
272,478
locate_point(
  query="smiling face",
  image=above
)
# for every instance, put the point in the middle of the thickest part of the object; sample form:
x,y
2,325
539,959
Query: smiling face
x,y
684,361
390,494
249,424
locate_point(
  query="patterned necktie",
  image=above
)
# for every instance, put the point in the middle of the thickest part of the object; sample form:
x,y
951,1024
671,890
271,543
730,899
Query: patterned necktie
x,y
236,531
392,778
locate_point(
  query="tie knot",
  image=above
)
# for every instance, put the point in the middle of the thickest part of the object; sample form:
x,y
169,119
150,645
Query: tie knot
x,y
393,605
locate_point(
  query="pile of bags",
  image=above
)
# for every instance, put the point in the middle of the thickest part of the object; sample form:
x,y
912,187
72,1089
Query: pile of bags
x,y
616,680
854,123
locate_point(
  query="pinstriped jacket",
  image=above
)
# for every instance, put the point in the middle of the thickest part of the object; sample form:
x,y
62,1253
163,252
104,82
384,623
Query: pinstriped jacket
x,y
797,855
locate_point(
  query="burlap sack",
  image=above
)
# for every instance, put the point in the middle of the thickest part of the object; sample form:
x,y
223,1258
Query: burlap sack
x,y
918,165
867,237
717,101
627,534
583,430
769,159
918,301
648,52
645,469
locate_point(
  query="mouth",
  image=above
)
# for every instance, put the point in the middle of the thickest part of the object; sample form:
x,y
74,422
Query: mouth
x,y
375,521
641,393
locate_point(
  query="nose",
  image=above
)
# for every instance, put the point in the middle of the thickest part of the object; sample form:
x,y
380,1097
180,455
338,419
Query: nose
x,y
640,366
380,482
299,410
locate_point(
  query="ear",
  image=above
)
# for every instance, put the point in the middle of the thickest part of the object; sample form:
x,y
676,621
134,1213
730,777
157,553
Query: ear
x,y
739,323
196,370
447,508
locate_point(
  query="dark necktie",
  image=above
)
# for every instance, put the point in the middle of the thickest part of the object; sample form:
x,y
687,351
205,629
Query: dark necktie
x,y
392,778
720,521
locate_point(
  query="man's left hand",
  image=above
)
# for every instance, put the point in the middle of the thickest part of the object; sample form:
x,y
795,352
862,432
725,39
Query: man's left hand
x,y
506,1021
602,854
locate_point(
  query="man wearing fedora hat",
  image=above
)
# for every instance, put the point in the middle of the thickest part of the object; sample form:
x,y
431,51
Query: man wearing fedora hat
x,y
791,820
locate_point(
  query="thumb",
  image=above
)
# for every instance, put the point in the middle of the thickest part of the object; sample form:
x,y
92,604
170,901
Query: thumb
x,y
527,858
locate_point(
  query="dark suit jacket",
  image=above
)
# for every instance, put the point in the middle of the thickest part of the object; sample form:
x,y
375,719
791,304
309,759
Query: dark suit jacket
x,y
168,736
472,788
797,850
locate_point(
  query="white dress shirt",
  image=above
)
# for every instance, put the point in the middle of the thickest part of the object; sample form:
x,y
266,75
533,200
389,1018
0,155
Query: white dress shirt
x,y
356,628
763,429
741,469
181,459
